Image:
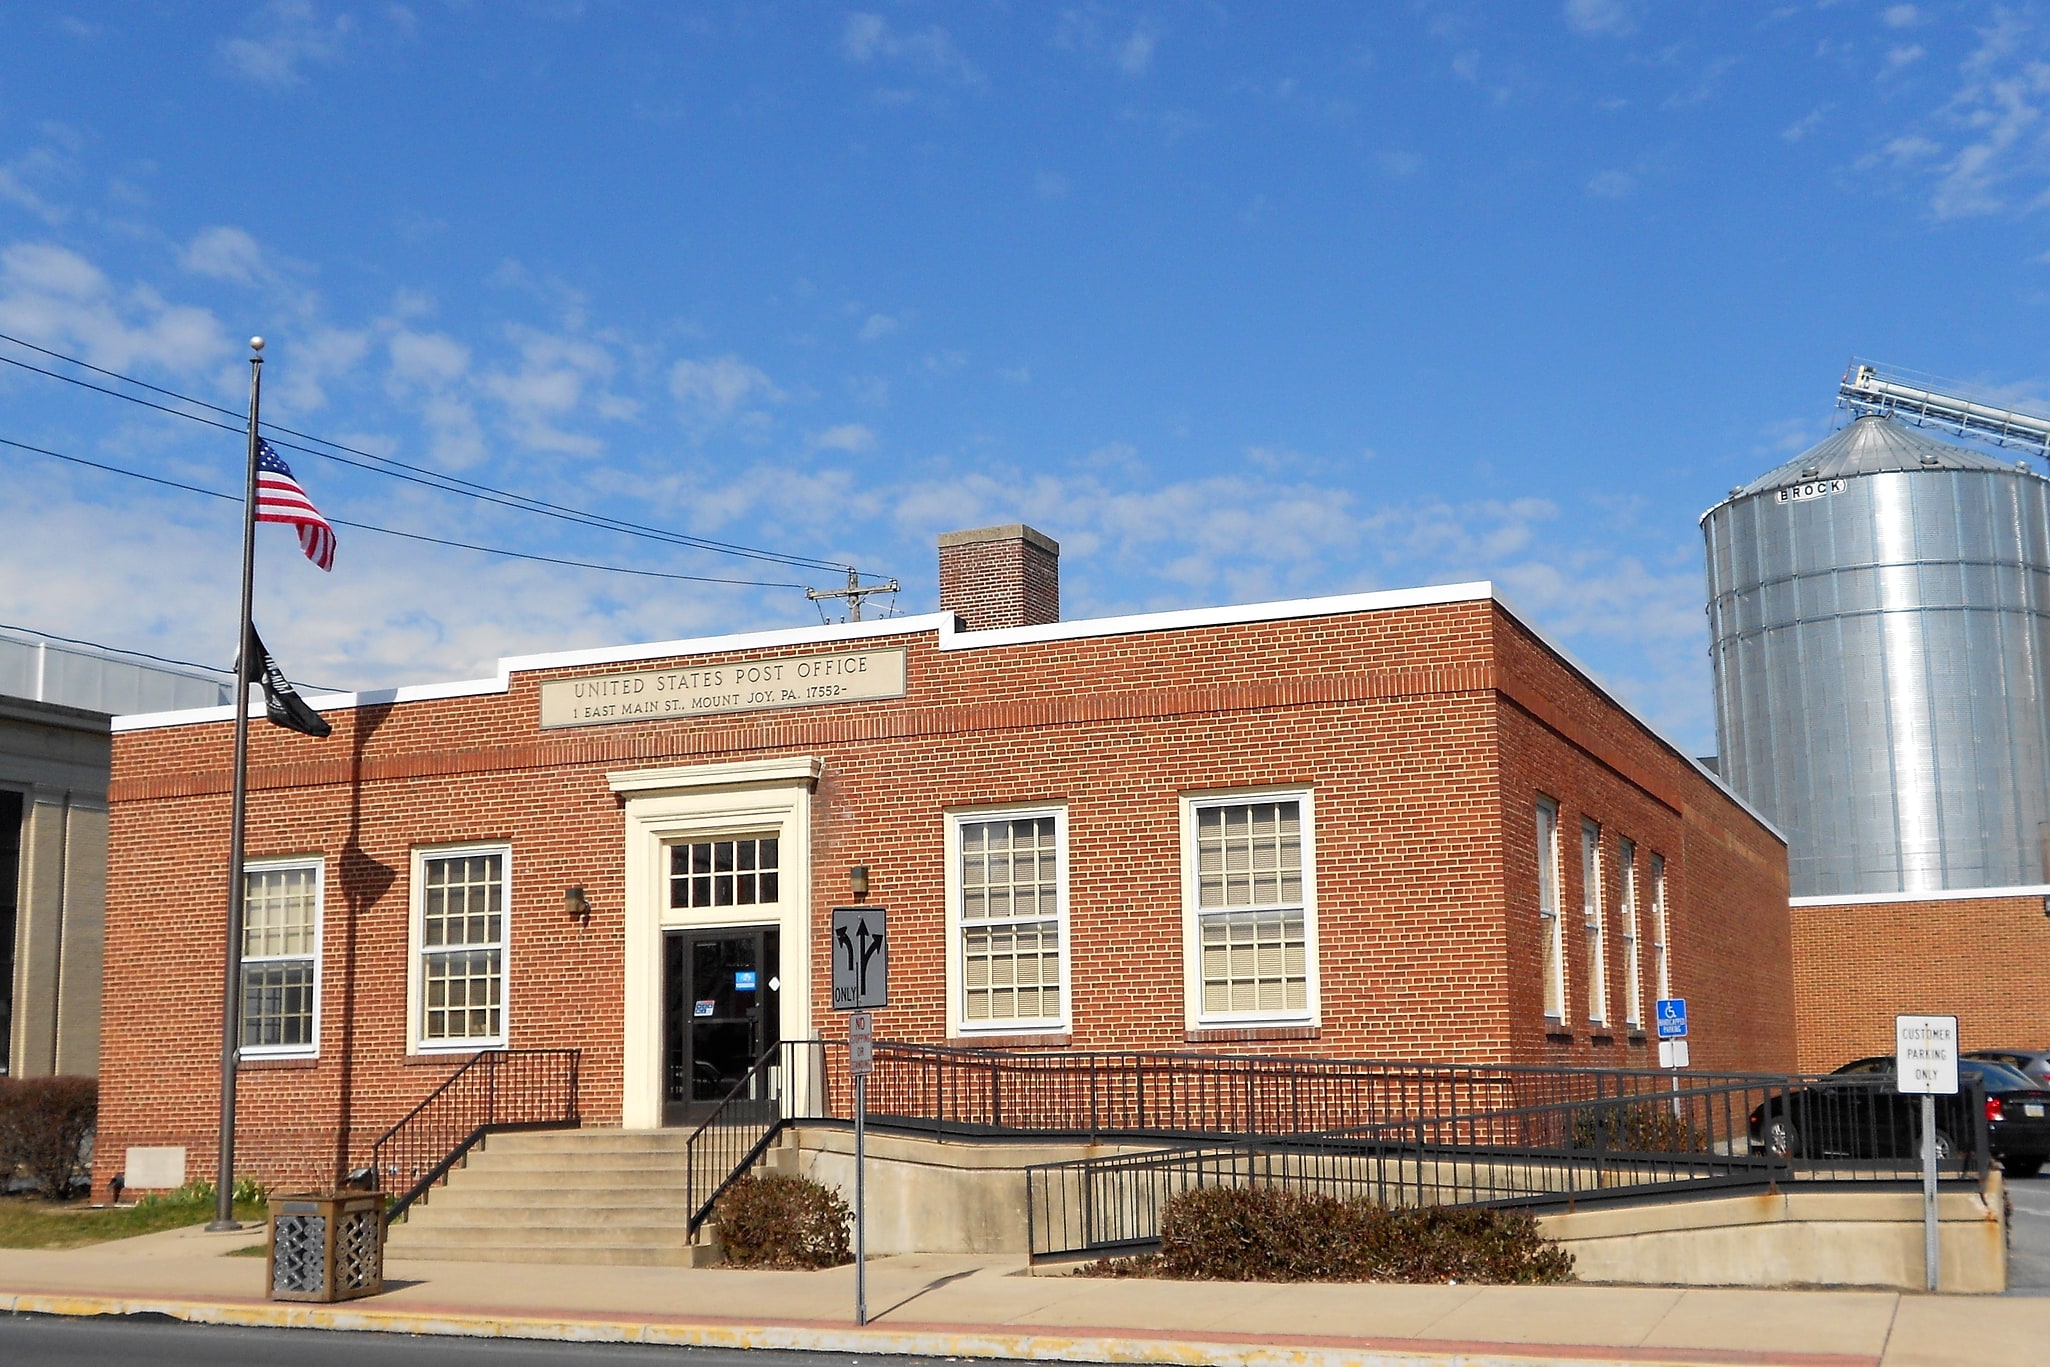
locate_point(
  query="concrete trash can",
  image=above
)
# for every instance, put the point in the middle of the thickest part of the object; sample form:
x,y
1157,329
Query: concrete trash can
x,y
326,1245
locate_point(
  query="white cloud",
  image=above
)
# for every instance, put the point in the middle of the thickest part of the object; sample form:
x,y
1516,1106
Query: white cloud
x,y
1898,59
851,437
1612,185
715,390
224,254
878,326
868,38
1900,16
1135,53
431,359
1806,124
56,297
42,163
1595,18
290,36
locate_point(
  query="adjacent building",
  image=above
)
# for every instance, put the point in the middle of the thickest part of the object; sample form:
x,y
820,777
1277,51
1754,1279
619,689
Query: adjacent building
x,y
1398,825
55,749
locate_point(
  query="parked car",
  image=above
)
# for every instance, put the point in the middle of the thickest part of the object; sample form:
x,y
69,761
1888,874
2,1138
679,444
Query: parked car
x,y
2033,1064
1874,1120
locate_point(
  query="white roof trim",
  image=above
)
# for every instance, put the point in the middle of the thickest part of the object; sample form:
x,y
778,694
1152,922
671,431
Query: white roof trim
x,y
1185,619
1935,895
951,637
1595,680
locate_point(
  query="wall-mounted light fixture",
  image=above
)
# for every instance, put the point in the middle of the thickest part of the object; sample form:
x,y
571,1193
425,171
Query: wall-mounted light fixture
x,y
576,904
857,881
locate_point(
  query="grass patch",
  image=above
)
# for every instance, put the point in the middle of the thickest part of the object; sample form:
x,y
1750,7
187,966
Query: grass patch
x,y
34,1222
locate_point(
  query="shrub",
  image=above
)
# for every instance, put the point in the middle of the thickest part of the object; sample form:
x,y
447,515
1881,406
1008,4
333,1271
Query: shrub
x,y
1272,1234
44,1125
776,1220
1638,1127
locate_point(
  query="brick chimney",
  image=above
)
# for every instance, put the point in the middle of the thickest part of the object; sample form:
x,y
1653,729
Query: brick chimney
x,y
1006,576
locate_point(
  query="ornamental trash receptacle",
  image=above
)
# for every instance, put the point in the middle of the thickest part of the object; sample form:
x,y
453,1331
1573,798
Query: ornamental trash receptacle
x,y
326,1245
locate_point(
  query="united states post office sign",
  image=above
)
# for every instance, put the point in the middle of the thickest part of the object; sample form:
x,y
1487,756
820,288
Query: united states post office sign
x,y
709,690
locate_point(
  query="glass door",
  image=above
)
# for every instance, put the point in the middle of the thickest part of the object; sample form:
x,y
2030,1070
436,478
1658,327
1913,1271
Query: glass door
x,y
721,1012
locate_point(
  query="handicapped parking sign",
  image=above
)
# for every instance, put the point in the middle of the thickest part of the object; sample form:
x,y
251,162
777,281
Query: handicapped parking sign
x,y
1672,1017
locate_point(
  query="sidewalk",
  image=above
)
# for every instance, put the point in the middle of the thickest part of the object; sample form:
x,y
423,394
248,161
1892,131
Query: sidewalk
x,y
988,1307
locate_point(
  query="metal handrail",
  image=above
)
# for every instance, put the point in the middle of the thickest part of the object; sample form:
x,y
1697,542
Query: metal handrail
x,y
729,1140
427,1143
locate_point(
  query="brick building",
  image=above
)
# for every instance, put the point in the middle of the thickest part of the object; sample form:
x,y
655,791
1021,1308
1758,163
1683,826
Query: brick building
x,y
1391,825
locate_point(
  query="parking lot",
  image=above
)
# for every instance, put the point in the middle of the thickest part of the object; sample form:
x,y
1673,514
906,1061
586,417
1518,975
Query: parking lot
x,y
2028,1266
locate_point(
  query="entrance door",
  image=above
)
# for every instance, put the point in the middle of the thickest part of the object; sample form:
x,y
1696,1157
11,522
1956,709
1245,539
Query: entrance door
x,y
721,1011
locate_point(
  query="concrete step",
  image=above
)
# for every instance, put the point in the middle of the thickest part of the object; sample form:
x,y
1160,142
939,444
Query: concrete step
x,y
570,1165
449,1216
480,1227
520,1251
488,1189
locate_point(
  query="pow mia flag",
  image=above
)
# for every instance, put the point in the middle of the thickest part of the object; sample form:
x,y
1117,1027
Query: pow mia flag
x,y
281,702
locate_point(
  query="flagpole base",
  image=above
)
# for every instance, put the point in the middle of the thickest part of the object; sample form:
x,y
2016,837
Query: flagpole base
x,y
224,1226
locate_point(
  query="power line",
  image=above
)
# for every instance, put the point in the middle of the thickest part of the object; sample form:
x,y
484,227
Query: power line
x,y
413,536
387,466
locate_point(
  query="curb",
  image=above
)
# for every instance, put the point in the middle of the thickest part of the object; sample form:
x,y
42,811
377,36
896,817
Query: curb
x,y
1083,1345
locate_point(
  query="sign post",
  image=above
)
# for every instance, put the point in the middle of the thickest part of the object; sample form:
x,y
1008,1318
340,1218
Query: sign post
x,y
1925,1065
1671,1013
861,981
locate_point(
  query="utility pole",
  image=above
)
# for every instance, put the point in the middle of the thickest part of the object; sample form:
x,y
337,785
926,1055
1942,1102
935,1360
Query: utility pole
x,y
853,593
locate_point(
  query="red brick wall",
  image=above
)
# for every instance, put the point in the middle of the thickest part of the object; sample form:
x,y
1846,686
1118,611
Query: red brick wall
x,y
1726,878
1857,966
1418,765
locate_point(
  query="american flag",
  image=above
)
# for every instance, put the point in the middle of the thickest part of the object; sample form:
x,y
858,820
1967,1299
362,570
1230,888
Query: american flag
x,y
280,499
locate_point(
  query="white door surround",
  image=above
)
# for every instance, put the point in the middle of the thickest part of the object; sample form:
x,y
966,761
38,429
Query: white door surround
x,y
666,805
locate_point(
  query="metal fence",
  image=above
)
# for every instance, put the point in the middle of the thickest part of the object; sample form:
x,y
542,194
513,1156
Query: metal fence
x,y
960,1091
499,1089
1716,1135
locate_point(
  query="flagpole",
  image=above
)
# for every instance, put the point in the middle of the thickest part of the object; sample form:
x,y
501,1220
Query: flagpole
x,y
231,982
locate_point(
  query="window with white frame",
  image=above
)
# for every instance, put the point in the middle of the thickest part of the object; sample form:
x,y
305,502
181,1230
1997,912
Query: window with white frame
x,y
1250,896
281,903
460,925
1551,933
1661,932
1633,980
1591,921
1008,904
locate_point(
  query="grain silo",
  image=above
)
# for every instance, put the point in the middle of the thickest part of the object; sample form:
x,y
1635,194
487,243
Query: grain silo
x,y
1879,611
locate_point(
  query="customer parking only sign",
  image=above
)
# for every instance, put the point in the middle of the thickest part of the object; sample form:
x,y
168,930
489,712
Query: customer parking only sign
x,y
1925,1055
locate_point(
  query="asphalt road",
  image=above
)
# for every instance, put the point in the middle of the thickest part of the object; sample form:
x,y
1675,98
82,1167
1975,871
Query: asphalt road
x,y
2028,1242
34,1340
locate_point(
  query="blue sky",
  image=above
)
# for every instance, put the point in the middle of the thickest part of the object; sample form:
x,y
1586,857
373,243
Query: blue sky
x,y
1238,302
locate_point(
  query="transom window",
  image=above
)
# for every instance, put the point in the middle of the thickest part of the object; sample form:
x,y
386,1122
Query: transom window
x,y
280,958
462,947
1009,912
1252,927
740,872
